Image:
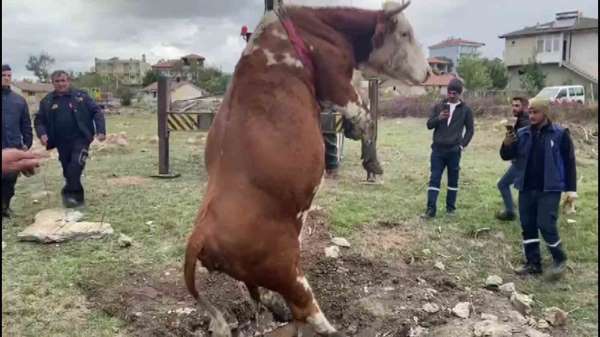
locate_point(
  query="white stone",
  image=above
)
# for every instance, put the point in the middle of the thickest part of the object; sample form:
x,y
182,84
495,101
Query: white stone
x,y
332,252
58,225
493,282
418,331
340,242
439,265
543,324
508,288
521,302
571,221
462,310
426,251
431,308
124,240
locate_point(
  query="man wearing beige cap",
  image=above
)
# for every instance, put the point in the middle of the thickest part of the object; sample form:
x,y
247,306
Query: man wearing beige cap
x,y
544,157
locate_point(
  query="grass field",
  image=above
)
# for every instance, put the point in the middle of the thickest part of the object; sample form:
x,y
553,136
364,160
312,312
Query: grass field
x,y
42,292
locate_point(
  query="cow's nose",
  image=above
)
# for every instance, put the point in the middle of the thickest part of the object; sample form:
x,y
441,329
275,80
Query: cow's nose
x,y
428,74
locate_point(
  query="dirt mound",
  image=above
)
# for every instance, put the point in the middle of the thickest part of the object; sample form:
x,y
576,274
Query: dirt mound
x,y
363,297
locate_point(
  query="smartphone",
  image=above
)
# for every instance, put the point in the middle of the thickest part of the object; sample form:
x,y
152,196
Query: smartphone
x,y
447,106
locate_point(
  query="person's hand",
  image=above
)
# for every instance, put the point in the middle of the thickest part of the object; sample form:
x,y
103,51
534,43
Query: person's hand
x,y
101,137
445,114
569,202
14,160
44,140
510,138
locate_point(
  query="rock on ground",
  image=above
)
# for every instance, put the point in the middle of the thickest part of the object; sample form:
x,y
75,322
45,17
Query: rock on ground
x,y
555,316
58,225
462,310
491,328
521,302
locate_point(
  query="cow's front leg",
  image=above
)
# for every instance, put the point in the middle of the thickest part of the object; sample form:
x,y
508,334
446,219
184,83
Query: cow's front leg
x,y
357,119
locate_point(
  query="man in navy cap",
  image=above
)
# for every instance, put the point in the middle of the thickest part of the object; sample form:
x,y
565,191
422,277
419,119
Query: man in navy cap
x,y
452,122
16,133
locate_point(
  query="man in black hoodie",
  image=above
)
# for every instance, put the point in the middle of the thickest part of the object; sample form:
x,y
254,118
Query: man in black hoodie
x,y
452,121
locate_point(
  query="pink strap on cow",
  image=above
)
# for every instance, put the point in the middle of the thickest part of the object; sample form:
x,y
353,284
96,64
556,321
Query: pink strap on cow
x,y
296,41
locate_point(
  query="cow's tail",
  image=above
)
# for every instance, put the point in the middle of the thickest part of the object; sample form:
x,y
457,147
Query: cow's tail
x,y
194,247
218,324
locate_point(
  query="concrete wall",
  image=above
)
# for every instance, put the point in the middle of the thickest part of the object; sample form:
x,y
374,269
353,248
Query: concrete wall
x,y
584,52
519,51
555,75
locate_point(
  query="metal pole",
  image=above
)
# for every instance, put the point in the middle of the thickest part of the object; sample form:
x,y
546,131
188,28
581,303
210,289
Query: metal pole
x,y
163,100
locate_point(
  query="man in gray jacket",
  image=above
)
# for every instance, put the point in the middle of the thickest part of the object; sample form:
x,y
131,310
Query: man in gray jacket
x,y
452,122
16,133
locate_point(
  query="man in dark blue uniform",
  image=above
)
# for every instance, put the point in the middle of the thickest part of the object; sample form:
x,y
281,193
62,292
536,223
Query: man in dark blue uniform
x,y
67,120
544,158
16,133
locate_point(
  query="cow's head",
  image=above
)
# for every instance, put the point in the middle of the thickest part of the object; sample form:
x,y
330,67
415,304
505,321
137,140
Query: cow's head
x,y
396,52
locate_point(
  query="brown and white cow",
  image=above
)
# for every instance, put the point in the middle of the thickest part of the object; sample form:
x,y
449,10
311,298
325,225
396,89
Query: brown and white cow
x,y
264,151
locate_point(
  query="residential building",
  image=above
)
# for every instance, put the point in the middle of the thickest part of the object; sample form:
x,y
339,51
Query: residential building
x,y
179,90
453,49
180,68
436,83
129,72
439,65
566,50
33,92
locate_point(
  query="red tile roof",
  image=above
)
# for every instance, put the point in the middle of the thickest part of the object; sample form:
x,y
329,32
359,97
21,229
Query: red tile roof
x,y
435,60
439,80
193,56
456,42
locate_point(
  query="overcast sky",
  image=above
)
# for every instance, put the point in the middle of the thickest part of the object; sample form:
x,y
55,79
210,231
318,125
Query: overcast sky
x,y
76,31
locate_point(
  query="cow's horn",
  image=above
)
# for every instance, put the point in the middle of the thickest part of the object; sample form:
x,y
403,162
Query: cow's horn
x,y
396,10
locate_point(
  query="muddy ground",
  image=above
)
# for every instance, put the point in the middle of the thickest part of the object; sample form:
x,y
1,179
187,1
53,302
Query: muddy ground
x,y
363,297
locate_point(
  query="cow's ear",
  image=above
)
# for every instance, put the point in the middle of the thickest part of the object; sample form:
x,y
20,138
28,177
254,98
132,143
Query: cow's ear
x,y
379,34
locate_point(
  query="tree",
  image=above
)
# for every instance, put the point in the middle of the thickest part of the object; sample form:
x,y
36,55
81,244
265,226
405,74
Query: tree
x,y
532,78
40,65
498,73
94,80
150,77
474,72
125,94
211,79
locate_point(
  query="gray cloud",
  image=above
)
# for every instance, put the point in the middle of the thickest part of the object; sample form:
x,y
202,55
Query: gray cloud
x,y
76,31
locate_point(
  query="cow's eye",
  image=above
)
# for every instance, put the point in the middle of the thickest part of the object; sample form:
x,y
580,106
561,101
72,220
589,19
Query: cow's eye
x,y
404,34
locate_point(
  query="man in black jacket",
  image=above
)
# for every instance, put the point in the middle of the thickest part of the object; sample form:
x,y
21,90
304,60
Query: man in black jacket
x,y
544,157
452,121
520,105
16,133
67,120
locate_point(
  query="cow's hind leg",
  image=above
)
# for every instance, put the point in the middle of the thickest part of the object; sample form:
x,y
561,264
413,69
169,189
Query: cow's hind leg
x,y
306,310
272,301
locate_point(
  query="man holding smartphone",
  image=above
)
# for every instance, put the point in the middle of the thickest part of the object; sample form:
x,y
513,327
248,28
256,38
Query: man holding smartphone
x,y
544,158
520,105
452,122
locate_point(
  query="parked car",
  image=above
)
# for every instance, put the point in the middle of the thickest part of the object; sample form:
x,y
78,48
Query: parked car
x,y
563,94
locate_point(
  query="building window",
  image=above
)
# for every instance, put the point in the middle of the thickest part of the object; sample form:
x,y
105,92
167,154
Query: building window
x,y
556,43
540,45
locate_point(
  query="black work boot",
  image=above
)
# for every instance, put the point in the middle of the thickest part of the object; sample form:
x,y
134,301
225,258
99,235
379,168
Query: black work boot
x,y
429,214
529,269
506,216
